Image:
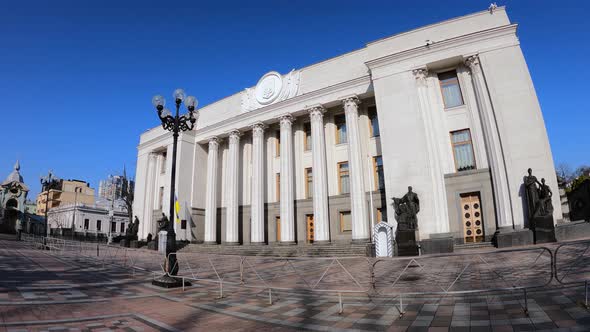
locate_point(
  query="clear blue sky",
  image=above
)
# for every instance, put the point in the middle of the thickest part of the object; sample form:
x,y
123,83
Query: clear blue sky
x,y
76,77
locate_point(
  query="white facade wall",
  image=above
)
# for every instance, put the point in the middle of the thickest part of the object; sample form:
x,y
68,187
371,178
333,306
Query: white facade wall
x,y
415,128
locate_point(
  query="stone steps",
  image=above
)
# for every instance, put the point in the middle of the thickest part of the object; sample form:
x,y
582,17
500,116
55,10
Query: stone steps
x,y
324,250
477,245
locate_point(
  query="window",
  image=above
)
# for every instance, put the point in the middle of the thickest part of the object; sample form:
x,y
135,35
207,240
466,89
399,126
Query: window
x,y
381,214
278,143
183,224
463,150
308,183
345,221
343,178
340,122
450,89
378,171
86,223
278,186
373,122
113,226
307,138
160,198
122,227
163,166
98,225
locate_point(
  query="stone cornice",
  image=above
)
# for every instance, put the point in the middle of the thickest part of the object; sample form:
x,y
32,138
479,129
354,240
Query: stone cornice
x,y
442,45
246,120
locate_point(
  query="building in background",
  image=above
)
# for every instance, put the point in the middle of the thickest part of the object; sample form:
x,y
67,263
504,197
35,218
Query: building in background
x,y
64,192
98,220
13,195
115,186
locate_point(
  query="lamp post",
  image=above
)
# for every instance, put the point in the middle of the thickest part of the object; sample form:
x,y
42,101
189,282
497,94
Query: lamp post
x,y
175,124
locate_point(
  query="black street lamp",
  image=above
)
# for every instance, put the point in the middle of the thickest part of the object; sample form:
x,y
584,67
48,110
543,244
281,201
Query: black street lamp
x,y
47,183
174,124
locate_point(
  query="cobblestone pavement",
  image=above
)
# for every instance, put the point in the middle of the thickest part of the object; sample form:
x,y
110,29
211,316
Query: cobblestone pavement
x,y
46,291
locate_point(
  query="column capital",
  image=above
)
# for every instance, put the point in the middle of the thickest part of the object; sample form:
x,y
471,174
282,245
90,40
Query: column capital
x,y
286,119
214,141
420,74
234,136
316,112
473,63
258,128
350,101
153,155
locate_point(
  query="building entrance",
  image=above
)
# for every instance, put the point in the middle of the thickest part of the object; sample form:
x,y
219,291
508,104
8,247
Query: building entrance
x,y
310,227
472,220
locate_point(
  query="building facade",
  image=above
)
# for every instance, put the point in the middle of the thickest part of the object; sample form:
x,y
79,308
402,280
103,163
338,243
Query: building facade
x,y
315,155
95,220
13,195
115,186
64,192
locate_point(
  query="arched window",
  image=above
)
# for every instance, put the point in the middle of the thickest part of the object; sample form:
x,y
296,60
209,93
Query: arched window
x,y
12,203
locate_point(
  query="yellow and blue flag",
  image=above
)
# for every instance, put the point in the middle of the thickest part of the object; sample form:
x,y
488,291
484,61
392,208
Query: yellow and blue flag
x,y
177,208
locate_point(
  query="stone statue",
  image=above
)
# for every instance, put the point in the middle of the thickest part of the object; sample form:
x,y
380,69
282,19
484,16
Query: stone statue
x,y
538,196
406,210
532,192
132,229
545,194
163,223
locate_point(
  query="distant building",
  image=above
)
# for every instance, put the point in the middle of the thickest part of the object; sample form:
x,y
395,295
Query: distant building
x,y
114,186
13,194
64,192
89,220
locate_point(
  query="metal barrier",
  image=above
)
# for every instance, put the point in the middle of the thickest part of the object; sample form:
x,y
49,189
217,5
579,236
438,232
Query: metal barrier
x,y
389,278
572,265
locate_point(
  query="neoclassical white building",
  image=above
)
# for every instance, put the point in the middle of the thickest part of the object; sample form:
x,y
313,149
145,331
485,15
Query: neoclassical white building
x,y
316,154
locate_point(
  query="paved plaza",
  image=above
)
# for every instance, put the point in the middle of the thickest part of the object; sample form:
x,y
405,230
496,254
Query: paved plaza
x,y
42,290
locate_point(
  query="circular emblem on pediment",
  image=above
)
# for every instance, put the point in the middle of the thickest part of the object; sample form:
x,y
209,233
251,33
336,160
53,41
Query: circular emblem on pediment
x,y
269,88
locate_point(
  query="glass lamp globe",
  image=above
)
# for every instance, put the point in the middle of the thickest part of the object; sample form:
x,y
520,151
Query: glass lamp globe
x,y
179,94
158,100
191,103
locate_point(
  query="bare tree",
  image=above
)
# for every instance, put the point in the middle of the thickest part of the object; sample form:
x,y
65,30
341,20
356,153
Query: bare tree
x,y
564,173
127,196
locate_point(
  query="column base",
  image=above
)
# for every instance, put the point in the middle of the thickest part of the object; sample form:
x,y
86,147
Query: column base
x,y
508,237
360,241
210,242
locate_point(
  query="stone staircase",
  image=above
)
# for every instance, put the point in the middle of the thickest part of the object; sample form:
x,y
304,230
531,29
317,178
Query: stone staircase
x,y
477,245
276,250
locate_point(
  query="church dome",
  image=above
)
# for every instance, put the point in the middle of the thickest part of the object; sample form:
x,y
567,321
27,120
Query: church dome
x,y
15,175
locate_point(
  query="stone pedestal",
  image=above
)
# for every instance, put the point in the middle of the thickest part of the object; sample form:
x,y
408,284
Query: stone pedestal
x,y
124,243
508,237
133,244
543,229
573,230
437,244
162,239
406,241
152,245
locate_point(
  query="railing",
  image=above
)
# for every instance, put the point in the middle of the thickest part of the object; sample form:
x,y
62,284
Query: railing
x,y
395,278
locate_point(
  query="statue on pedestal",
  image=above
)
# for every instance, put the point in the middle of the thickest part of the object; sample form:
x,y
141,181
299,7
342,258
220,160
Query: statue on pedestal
x,y
406,210
163,223
539,208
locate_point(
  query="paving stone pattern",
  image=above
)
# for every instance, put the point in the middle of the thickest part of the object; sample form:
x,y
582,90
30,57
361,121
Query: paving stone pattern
x,y
66,290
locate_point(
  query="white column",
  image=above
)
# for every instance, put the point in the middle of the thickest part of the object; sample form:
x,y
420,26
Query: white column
x,y
231,220
493,145
287,192
359,212
211,194
439,195
148,210
257,205
319,175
